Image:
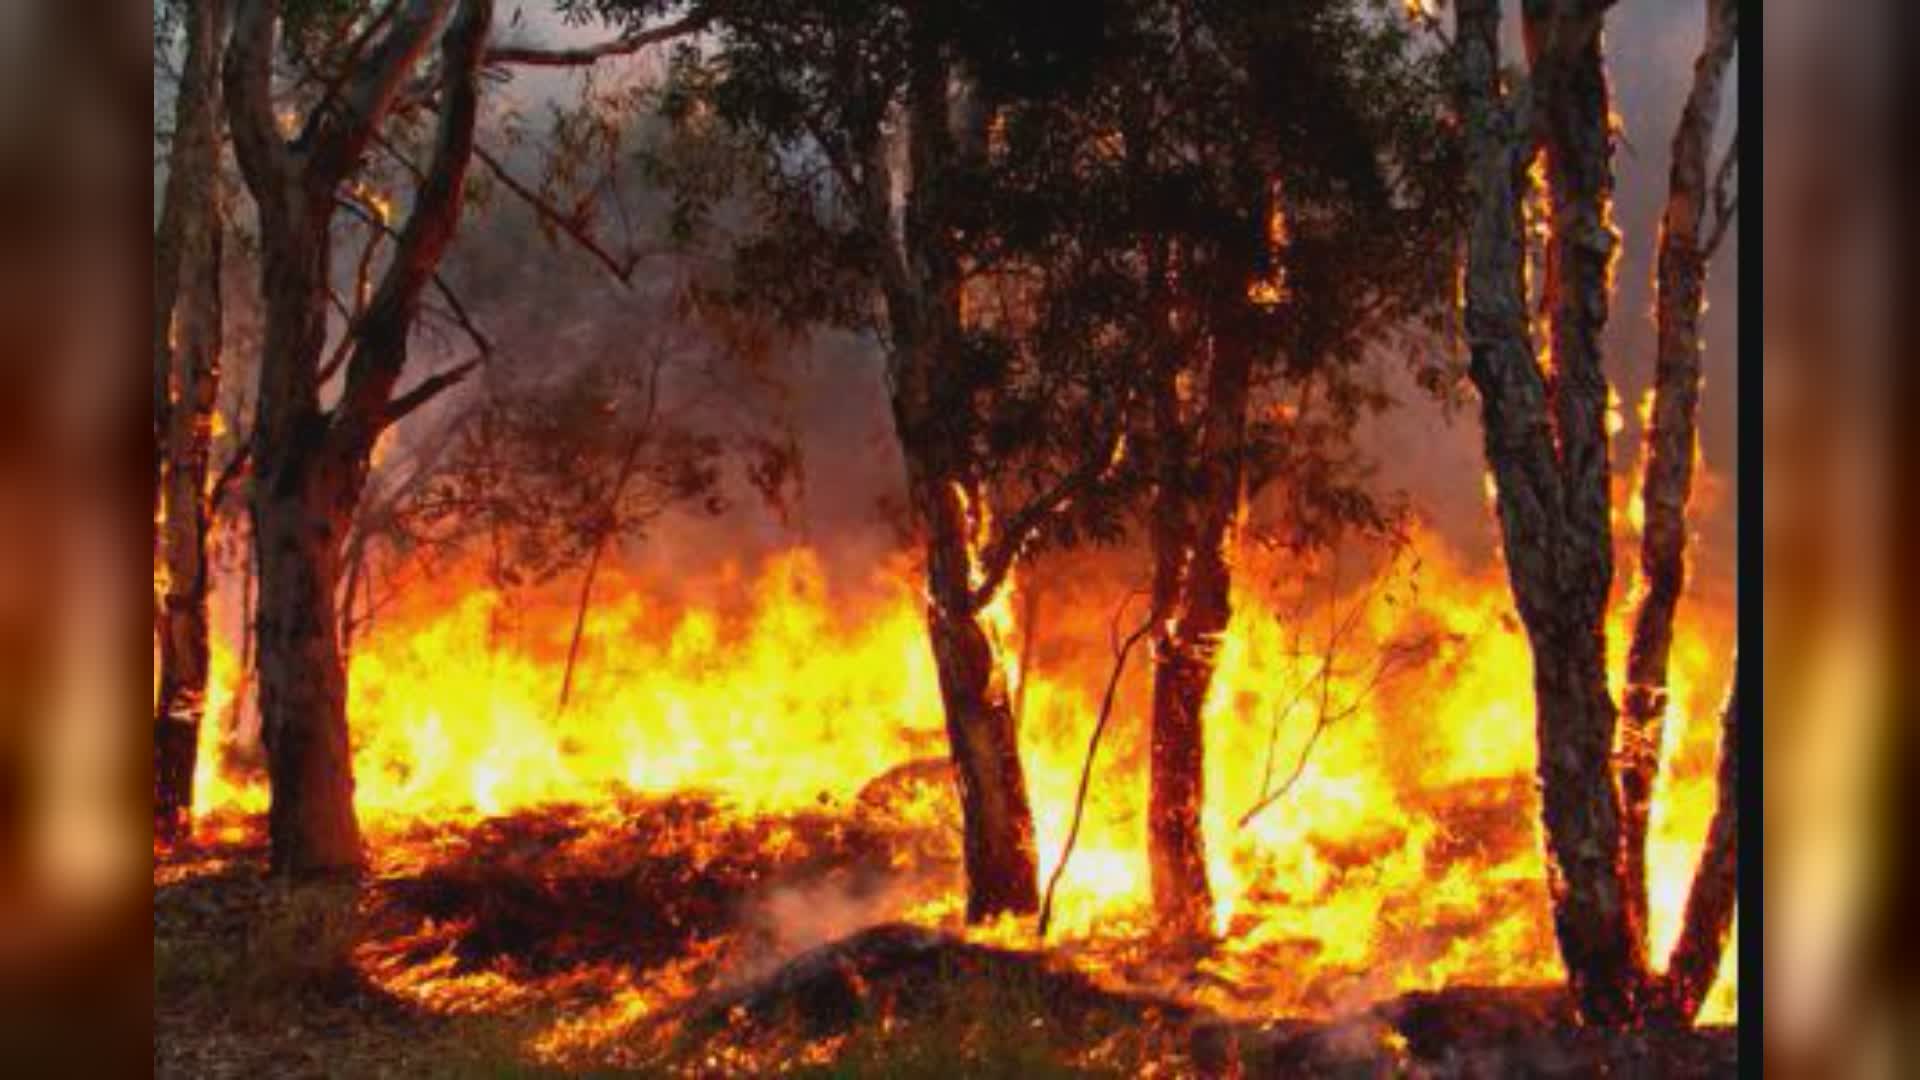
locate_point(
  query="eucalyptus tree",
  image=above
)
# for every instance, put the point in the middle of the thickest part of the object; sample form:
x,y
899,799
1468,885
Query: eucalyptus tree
x,y
187,351
313,89
1546,445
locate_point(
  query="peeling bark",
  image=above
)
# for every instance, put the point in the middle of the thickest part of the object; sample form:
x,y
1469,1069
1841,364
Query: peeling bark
x,y
1680,282
298,521
1192,534
1552,500
1001,863
922,284
187,350
310,465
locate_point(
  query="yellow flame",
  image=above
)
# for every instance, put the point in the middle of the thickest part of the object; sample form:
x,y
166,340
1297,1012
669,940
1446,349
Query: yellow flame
x,y
1406,854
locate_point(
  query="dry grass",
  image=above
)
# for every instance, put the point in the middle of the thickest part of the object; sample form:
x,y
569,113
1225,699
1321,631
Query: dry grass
x,y
254,978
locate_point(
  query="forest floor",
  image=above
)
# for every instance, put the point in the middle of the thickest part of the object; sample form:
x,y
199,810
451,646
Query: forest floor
x,y
669,938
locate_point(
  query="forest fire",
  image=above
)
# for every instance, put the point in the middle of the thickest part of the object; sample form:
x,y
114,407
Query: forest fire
x,y
1401,852
725,617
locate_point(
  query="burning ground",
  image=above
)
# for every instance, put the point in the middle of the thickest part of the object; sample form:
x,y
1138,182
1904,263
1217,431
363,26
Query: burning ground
x,y
737,848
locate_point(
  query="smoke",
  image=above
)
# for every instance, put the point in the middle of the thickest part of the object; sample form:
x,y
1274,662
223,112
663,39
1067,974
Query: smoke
x,y
791,919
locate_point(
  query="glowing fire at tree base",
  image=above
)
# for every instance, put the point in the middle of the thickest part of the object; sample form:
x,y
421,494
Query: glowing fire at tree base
x,y
1405,855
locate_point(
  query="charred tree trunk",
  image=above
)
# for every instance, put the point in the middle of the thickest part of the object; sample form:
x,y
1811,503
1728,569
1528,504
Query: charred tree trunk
x,y
188,207
1574,112
1193,516
1680,282
187,347
1552,499
1001,863
1183,660
1694,962
1002,866
922,287
309,463
299,516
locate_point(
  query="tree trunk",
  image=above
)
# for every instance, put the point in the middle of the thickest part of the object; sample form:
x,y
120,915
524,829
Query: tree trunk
x,y
934,424
310,464
1680,276
1001,863
997,820
1574,719
187,348
1552,500
1183,665
1193,515
188,206
1694,962
298,524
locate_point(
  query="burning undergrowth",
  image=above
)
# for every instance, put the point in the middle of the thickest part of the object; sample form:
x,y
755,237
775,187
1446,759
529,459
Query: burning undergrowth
x,y
642,883
666,935
752,768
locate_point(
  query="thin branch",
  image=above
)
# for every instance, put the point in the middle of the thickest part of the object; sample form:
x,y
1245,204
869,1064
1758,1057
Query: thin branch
x,y
997,560
1327,718
350,59
621,267
454,306
428,388
1725,200
235,467
338,358
641,437
1120,653
624,45
339,129
1390,656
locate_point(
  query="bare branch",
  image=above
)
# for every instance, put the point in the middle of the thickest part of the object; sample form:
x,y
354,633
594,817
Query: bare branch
x,y
1120,652
428,389
349,59
344,347
572,224
338,130
236,467
1725,200
997,560
624,45
455,306
248,88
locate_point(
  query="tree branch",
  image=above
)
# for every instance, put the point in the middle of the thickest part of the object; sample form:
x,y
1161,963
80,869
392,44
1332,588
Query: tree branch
x,y
998,559
1725,200
458,309
380,340
624,45
338,130
1120,652
621,267
248,88
428,389
236,467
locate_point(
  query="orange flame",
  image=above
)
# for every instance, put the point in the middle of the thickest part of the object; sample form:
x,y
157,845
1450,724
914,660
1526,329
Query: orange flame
x,y
1406,854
